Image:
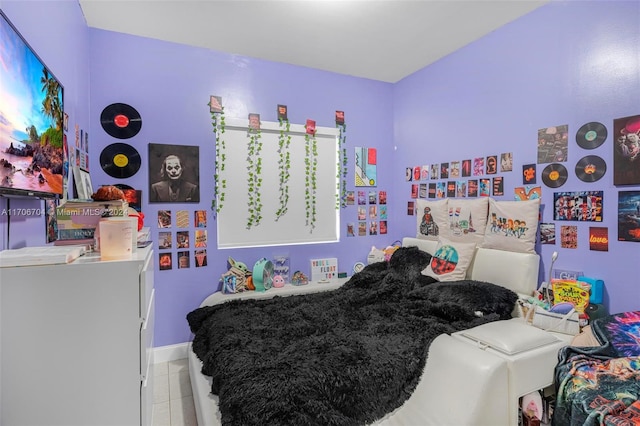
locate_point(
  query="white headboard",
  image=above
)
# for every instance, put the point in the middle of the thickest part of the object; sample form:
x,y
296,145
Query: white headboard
x,y
515,271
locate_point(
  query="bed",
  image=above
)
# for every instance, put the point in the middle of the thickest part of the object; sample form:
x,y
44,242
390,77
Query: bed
x,y
380,363
598,375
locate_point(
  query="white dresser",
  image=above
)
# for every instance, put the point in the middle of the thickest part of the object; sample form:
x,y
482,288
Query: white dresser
x,y
77,342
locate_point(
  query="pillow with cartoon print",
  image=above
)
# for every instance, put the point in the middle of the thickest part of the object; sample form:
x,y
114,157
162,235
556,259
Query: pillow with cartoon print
x,y
450,260
512,225
431,218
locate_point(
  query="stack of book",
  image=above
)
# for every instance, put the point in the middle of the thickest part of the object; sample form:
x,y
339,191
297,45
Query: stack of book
x,y
78,219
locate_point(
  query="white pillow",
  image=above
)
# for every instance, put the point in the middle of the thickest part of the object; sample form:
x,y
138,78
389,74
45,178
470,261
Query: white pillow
x,y
450,260
431,219
467,219
512,225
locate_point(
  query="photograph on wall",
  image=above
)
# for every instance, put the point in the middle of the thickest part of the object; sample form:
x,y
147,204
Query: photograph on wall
x,y
366,164
351,232
201,258
408,174
629,216
434,170
461,188
373,227
506,162
424,173
373,197
451,189
362,229
383,212
569,236
182,218
383,227
444,170
485,187
553,144
492,164
527,192
465,168
362,213
183,259
373,212
441,189
498,186
382,197
362,199
414,190
164,218
182,239
581,206
454,169
432,190
351,198
215,104
626,152
164,240
200,218
165,261
478,166
410,208
417,173
201,238
174,173
547,233
423,190
529,174
599,238
472,188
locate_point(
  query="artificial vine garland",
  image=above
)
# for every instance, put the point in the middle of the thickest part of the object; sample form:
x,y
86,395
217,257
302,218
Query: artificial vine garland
x,y
311,168
254,181
342,169
284,165
220,184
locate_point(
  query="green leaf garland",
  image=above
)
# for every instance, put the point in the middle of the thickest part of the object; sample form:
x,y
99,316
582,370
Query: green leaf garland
x,y
284,165
342,168
311,184
254,181
220,183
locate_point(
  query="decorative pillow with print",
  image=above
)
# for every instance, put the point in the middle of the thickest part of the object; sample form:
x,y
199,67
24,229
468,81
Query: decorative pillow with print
x,y
450,260
431,219
467,219
512,225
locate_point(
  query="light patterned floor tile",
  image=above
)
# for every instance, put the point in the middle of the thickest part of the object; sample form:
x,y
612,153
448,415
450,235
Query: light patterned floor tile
x,y
183,412
161,414
179,385
161,389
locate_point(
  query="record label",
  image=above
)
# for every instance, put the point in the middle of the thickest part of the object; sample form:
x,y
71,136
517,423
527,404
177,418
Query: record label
x,y
591,135
121,121
554,175
590,168
120,160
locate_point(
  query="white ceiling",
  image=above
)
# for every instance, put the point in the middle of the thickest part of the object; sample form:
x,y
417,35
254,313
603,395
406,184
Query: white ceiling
x,y
375,39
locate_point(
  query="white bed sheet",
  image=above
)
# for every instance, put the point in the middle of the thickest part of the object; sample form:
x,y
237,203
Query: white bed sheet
x,y
485,374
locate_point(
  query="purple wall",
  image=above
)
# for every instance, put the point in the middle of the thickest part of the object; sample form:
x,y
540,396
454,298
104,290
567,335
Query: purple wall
x,y
565,63
545,69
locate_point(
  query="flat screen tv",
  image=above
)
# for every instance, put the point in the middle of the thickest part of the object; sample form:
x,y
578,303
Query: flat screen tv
x,y
31,120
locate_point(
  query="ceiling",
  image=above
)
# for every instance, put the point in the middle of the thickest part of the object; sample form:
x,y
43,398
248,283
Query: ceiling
x,y
380,40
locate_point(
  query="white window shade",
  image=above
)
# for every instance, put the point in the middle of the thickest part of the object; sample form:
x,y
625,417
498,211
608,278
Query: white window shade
x,y
292,227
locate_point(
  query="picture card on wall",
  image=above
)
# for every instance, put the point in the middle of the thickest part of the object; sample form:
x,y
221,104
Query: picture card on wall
x,y
529,174
599,238
465,168
582,206
366,161
506,162
569,237
282,113
478,166
547,233
626,141
552,144
629,216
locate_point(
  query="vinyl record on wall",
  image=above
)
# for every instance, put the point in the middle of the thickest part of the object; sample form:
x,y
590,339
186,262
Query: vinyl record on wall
x,y
554,175
591,135
590,168
121,121
120,160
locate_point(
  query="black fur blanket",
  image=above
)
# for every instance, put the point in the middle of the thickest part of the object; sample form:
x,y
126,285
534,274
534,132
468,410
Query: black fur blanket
x,y
344,357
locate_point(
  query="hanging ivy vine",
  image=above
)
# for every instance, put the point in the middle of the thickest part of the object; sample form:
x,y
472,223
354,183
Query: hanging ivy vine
x,y
220,183
342,166
311,169
254,179
284,165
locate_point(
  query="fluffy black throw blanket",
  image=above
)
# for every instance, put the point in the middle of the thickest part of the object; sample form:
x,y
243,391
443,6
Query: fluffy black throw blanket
x,y
344,357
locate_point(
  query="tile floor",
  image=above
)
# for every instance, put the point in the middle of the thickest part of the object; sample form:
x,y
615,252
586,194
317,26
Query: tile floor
x,y
172,396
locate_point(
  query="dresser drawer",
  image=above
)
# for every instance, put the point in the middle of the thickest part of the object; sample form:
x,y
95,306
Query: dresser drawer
x,y
146,337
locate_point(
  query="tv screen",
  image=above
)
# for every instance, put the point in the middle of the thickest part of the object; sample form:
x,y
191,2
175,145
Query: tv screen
x,y
31,120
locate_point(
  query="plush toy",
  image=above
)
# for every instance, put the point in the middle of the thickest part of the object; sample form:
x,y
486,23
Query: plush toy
x,y
236,279
380,255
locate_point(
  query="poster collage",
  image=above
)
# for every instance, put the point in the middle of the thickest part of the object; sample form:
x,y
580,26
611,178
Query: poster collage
x,y
183,240
372,213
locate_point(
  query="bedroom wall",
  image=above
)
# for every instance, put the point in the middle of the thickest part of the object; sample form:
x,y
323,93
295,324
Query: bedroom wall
x,y
565,63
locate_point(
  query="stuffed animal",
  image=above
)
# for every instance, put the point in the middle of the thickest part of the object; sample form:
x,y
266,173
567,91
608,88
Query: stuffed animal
x,y
236,279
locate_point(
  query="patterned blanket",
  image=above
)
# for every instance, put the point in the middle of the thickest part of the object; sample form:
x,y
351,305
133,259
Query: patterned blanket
x,y
601,385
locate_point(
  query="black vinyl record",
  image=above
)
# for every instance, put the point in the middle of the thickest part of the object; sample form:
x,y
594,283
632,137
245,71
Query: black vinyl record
x,y
591,135
554,175
120,160
121,121
590,168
